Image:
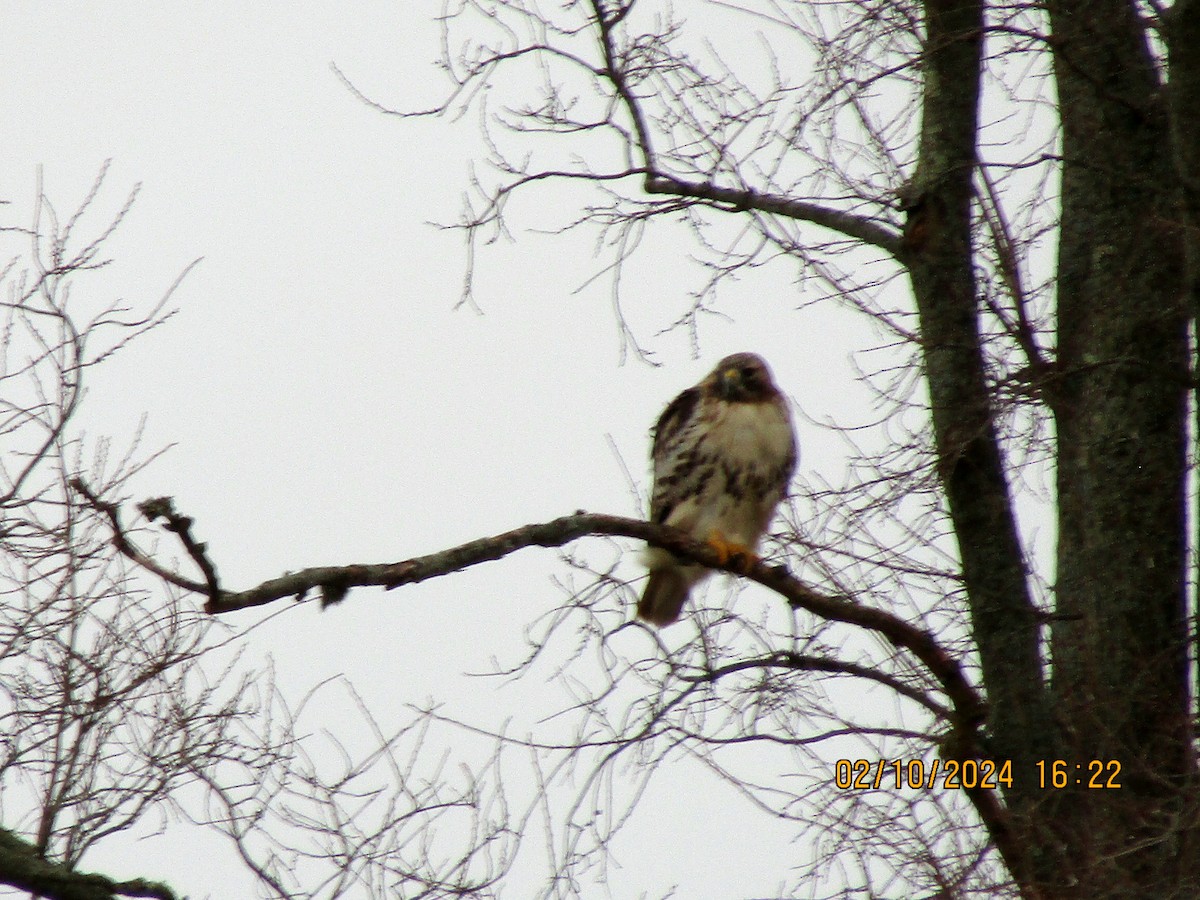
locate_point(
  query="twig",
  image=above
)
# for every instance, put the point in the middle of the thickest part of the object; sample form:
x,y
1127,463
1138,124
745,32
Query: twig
x,y
126,547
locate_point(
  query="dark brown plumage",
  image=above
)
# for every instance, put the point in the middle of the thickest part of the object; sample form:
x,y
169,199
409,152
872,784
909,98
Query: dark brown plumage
x,y
723,454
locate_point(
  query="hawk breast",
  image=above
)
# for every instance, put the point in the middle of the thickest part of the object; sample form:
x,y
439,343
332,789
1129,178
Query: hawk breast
x,y
724,468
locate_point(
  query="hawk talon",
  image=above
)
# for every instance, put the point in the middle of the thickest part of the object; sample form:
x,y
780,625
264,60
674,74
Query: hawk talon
x,y
738,557
744,562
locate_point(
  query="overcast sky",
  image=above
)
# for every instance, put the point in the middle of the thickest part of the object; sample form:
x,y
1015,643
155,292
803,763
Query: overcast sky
x,y
327,401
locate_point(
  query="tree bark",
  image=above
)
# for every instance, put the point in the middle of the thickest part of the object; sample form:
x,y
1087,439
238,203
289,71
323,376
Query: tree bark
x,y
939,256
21,866
1120,649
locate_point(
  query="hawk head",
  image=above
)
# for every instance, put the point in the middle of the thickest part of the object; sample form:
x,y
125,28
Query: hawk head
x,y
741,378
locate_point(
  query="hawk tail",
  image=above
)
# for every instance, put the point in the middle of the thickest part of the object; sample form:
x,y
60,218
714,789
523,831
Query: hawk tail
x,y
665,594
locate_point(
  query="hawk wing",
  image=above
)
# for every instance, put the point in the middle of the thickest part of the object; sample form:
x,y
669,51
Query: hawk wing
x,y
673,453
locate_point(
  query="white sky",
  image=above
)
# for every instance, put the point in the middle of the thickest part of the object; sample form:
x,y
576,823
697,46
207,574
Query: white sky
x,y
328,402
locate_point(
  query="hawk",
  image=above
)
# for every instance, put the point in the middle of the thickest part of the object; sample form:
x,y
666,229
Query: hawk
x,y
723,454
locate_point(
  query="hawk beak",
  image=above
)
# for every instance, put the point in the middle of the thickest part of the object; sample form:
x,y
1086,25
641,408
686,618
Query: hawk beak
x,y
731,380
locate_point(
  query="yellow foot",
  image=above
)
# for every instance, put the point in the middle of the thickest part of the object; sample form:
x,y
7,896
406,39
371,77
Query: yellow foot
x,y
737,556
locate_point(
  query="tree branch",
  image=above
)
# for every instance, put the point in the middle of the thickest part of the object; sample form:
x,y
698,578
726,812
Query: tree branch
x,y
733,199
967,711
22,867
740,199
805,662
123,544
332,583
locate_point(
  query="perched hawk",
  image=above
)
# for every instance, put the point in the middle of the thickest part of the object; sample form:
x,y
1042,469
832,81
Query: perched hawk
x,y
723,455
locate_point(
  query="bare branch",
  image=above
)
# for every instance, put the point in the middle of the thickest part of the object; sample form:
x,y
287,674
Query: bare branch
x,y
739,200
332,582
122,542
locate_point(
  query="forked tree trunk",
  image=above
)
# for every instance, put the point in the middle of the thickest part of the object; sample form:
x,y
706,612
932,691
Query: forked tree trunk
x,y
1115,687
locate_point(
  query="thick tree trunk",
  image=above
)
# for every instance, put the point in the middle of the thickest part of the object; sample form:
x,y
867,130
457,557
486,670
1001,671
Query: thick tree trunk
x,y
937,250
1119,650
1119,647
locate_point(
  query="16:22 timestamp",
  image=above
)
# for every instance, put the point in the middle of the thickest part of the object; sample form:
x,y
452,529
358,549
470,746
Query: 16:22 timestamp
x,y
1094,774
